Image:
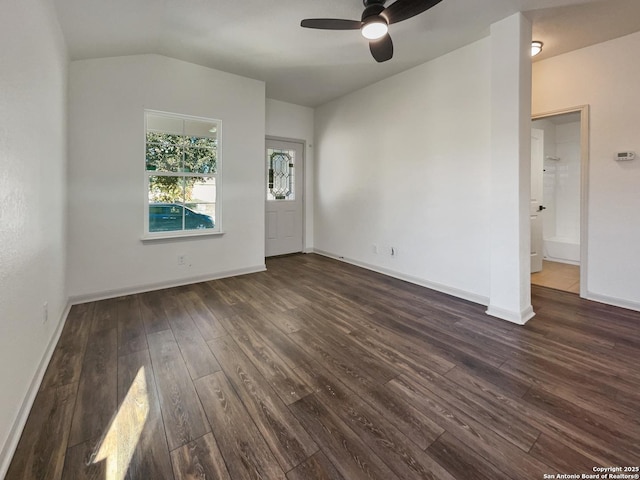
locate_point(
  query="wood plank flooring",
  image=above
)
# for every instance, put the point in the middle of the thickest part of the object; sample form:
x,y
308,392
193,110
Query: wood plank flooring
x,y
317,369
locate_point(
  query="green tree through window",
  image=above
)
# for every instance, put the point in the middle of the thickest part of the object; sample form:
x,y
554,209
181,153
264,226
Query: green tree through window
x,y
181,158
176,153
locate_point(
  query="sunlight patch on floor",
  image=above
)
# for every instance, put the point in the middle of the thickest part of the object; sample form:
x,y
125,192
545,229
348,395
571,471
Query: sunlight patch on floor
x,y
120,442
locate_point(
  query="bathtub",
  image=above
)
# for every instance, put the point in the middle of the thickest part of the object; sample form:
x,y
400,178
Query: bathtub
x,y
562,249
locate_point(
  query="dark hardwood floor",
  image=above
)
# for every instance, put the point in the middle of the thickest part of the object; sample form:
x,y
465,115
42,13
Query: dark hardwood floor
x,y
317,369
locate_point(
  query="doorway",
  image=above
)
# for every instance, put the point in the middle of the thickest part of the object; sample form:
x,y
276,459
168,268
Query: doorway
x,y
559,173
284,197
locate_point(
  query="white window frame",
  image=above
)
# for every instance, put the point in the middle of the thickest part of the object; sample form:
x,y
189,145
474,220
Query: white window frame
x,y
217,230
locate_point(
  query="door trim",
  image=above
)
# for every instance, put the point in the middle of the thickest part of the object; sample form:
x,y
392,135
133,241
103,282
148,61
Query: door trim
x,y
584,186
537,237
303,144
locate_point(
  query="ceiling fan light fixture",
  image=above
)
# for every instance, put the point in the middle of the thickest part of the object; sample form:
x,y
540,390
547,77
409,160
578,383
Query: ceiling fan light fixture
x,y
374,23
374,28
536,47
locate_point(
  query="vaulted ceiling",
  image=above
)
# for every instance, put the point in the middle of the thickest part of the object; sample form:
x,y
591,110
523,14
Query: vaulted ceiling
x,y
263,39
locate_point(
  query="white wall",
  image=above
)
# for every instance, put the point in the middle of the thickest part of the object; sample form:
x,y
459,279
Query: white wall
x,y
406,163
106,176
604,76
295,122
567,185
33,86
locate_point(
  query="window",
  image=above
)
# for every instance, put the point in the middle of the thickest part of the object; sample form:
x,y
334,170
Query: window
x,y
181,171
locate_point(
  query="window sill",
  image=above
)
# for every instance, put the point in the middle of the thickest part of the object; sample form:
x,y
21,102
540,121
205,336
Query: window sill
x,y
178,236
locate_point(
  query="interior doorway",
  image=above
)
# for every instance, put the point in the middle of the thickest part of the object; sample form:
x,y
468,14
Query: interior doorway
x,y
559,173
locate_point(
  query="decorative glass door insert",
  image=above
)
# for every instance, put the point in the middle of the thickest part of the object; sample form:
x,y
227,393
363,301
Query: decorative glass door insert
x,y
281,177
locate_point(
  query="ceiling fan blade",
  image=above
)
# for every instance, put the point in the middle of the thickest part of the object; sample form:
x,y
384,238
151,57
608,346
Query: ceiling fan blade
x,y
331,24
403,9
382,49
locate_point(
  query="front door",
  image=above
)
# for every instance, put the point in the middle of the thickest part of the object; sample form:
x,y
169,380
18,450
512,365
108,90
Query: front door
x,y
536,208
285,181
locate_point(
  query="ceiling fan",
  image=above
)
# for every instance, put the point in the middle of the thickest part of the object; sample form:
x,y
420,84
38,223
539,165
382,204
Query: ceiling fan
x,y
375,22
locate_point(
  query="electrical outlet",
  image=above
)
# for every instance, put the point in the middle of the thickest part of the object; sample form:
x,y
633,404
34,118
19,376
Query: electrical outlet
x,y
182,259
45,312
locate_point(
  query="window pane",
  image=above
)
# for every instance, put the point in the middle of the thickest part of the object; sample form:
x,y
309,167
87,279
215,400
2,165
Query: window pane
x,y
165,139
202,200
178,153
203,190
166,189
201,128
177,203
199,216
201,142
200,160
164,157
165,217
164,124
280,182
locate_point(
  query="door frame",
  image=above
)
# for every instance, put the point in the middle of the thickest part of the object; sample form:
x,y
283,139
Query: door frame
x,y
583,110
539,231
303,144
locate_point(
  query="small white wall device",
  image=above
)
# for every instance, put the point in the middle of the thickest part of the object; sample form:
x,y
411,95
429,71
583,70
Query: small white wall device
x,y
624,156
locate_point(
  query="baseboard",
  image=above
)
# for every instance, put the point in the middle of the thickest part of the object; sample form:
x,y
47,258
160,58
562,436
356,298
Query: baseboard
x,y
92,297
9,448
519,318
455,292
616,302
562,260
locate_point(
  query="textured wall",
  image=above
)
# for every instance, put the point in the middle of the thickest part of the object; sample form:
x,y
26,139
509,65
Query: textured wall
x,y
406,163
106,173
33,86
605,77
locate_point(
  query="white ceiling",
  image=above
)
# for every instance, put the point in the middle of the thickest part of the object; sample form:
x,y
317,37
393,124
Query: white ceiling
x,y
263,39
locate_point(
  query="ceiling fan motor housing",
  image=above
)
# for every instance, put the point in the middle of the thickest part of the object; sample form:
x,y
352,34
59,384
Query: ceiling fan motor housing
x,y
372,8
368,3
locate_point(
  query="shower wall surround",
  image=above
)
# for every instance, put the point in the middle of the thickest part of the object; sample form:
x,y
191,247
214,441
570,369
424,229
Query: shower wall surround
x,y
561,224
